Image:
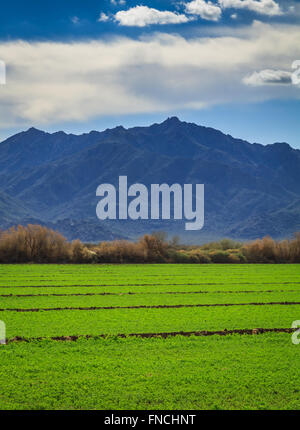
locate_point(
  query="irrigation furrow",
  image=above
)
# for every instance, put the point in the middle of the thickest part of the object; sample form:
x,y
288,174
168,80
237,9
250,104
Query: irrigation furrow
x,y
148,285
149,292
254,331
96,308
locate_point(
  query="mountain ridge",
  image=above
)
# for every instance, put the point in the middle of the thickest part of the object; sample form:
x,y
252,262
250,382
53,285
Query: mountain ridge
x,y
249,187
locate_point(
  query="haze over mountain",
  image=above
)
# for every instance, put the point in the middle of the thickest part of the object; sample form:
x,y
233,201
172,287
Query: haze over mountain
x,y
250,190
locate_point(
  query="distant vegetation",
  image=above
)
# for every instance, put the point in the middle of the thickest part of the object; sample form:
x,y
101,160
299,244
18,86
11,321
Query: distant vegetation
x,y
38,244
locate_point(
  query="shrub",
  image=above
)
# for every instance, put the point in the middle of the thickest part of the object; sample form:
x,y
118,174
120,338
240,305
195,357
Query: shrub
x,y
120,251
81,254
218,256
180,257
266,250
200,257
39,244
155,248
33,243
223,244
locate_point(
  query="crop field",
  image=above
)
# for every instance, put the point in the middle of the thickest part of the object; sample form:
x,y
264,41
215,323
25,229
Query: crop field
x,y
149,336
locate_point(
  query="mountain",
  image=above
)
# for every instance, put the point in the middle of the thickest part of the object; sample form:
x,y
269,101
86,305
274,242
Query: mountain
x,y
250,190
11,210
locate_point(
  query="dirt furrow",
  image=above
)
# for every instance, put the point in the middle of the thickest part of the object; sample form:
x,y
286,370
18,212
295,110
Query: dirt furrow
x,y
151,293
99,308
254,331
148,285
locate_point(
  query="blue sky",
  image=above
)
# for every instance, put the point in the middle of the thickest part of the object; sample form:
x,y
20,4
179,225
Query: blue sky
x,y
78,66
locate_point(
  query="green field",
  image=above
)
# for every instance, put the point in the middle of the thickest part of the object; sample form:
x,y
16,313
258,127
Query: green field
x,y
232,371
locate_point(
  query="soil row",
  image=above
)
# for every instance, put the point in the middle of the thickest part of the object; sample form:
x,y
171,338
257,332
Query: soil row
x,y
254,331
147,293
149,285
100,308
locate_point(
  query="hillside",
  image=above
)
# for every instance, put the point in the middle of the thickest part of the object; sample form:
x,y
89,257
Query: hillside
x,y
250,190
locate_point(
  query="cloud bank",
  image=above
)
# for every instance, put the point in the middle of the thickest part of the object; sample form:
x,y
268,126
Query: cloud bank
x,y
206,10
58,82
140,16
269,77
263,7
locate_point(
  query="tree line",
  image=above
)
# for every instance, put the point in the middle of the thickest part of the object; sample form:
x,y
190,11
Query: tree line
x,y
39,244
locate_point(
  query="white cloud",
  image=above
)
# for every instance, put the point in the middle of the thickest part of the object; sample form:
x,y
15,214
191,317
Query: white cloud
x,y
268,77
75,19
103,17
52,82
263,7
140,16
205,9
118,2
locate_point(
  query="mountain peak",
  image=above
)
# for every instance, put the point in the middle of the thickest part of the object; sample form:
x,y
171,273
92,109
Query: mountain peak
x,y
172,120
59,133
281,145
33,130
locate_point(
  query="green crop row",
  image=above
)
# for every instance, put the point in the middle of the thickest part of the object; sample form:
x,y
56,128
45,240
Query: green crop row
x,y
149,269
144,300
152,288
95,322
231,372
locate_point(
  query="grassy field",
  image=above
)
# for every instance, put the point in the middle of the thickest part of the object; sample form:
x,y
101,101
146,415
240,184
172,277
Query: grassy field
x,y
236,371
